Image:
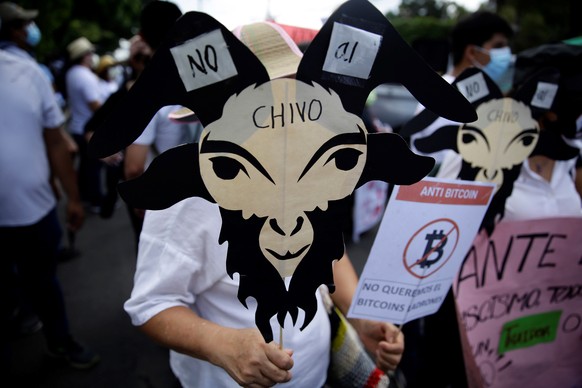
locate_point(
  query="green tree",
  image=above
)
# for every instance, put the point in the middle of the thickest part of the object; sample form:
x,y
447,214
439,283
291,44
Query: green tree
x,y
103,22
439,9
541,21
426,25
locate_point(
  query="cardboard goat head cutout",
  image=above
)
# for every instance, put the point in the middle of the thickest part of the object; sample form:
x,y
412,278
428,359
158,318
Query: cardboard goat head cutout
x,y
506,133
279,157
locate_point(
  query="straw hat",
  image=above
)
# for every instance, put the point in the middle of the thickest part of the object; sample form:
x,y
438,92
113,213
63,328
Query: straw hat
x,y
10,11
272,45
79,47
183,115
105,62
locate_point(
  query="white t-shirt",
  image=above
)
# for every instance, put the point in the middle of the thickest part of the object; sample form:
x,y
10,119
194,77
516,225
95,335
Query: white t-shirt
x,y
180,263
28,107
534,197
12,48
163,133
107,88
82,89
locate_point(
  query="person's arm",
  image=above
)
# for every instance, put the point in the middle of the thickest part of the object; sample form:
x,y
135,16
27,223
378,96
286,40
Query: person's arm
x,y
94,105
135,160
382,339
242,353
134,165
62,167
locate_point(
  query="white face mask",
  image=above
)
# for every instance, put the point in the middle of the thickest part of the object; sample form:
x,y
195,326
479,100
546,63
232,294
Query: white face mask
x,y
33,34
498,68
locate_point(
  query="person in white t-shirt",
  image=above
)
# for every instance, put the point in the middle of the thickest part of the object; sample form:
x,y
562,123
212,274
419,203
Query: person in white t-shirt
x,y
545,188
184,299
32,145
482,40
84,97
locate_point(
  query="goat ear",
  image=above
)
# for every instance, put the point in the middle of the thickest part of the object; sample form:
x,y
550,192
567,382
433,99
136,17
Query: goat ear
x,y
171,177
199,65
476,86
358,49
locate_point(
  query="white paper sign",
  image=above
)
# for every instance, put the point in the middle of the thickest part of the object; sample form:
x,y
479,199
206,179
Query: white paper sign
x,y
426,232
544,95
351,51
473,87
203,61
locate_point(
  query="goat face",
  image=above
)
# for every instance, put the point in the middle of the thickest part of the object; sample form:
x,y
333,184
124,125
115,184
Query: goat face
x,y
280,151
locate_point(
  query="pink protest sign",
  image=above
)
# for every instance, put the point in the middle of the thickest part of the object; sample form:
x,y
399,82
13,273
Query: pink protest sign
x,y
519,297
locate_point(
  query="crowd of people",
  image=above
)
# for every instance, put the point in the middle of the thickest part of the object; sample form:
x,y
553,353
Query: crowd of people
x,y
45,129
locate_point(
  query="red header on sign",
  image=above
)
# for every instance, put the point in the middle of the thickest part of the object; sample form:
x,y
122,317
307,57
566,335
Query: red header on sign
x,y
445,193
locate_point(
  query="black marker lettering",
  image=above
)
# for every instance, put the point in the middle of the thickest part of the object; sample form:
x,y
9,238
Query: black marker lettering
x,y
209,50
255,118
273,116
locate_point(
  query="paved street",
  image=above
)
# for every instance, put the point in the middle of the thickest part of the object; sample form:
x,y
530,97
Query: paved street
x,y
95,286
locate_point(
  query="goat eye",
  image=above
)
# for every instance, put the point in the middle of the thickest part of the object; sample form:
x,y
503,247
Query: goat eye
x,y
468,138
227,168
527,140
345,159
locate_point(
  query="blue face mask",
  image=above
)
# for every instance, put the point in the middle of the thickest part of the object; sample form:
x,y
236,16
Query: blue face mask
x,y
499,66
33,34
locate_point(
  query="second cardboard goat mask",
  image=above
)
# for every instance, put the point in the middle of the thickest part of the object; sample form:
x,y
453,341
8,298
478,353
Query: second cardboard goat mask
x,y
494,147
279,157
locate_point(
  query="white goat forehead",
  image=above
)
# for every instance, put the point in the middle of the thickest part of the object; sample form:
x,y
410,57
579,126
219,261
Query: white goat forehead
x,y
308,114
504,117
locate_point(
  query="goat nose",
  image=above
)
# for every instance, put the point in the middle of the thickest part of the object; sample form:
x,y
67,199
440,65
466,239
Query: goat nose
x,y
490,174
284,230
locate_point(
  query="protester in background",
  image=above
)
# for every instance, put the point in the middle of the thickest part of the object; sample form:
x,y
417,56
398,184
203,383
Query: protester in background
x,y
476,41
192,307
543,202
113,165
105,71
546,186
19,34
139,55
31,146
84,98
481,40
